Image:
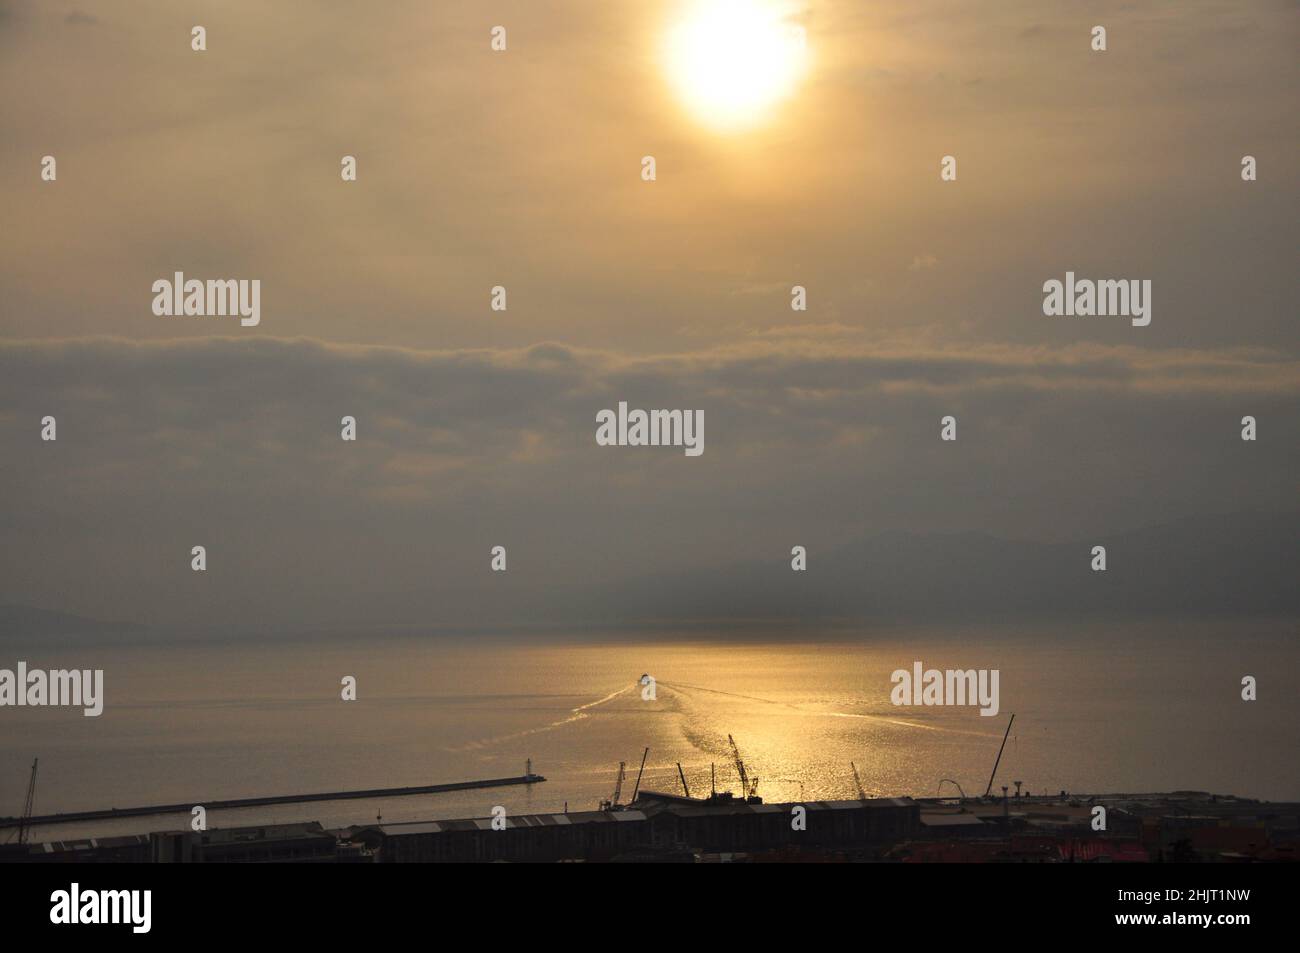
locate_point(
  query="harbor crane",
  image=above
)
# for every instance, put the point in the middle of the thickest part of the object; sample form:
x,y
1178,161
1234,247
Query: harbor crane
x,y
612,804
858,781
637,787
748,786
989,789
682,774
943,781
25,822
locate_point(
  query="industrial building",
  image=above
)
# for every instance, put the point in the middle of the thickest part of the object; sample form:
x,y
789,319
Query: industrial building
x,y
654,827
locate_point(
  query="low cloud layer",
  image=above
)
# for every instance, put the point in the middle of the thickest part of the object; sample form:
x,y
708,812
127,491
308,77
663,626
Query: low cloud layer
x,y
822,439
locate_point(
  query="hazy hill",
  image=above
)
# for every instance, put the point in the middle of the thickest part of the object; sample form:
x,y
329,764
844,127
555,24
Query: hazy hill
x,y
1237,565
28,623
1244,564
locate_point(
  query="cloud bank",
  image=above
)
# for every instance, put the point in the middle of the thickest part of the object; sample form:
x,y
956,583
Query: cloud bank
x,y
824,440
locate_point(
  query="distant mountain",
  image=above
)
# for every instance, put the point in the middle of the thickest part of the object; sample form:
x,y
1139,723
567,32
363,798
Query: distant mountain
x,y
1235,565
1240,564
28,622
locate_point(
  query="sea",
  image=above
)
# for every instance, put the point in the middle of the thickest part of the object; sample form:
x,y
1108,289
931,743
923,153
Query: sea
x,y
1099,708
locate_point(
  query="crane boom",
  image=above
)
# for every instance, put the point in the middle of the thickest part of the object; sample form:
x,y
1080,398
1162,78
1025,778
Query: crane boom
x,y
612,803
748,785
740,766
681,774
858,781
637,786
618,785
24,822
999,759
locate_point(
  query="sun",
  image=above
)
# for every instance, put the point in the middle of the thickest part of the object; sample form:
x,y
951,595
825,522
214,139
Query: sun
x,y
732,61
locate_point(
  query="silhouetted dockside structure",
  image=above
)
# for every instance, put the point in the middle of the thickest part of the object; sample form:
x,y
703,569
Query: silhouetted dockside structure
x,y
654,827
667,828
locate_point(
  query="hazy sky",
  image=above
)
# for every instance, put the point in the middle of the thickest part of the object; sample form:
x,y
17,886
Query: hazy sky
x,y
522,169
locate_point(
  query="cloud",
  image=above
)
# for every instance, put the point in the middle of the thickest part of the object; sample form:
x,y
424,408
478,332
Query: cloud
x,y
247,141
234,443
472,434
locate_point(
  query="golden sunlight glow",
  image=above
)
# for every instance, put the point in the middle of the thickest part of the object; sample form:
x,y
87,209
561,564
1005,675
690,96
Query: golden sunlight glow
x,y
732,60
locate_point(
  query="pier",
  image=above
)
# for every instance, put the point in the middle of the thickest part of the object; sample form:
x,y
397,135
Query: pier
x,y
187,807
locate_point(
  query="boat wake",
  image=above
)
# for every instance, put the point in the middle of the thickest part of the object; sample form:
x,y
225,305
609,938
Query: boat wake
x,y
577,714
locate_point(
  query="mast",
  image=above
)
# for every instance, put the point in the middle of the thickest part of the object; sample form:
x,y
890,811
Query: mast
x,y
999,760
637,787
25,822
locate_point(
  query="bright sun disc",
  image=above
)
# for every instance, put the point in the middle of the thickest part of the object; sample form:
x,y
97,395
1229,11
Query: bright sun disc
x,y
731,60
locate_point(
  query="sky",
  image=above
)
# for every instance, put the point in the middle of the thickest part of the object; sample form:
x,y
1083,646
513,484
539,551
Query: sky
x,y
522,168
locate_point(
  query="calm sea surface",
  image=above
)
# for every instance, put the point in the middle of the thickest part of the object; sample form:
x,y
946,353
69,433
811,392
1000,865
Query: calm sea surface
x,y
1127,708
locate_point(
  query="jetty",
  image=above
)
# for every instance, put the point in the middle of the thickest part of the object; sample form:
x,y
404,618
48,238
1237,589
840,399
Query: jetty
x,y
187,807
